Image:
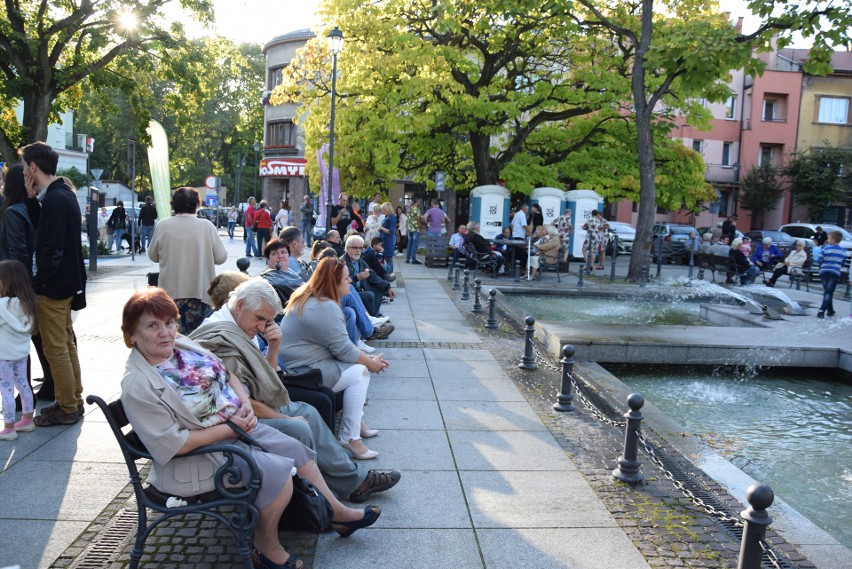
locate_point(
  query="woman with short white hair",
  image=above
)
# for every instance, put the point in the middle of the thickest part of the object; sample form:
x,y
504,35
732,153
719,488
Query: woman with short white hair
x,y
546,248
795,260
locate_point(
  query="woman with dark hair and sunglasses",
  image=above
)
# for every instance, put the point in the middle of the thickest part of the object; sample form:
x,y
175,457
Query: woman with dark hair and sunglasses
x,y
315,337
17,232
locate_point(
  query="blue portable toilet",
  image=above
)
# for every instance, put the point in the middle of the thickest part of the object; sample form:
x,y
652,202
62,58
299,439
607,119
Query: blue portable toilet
x,y
551,200
489,205
580,203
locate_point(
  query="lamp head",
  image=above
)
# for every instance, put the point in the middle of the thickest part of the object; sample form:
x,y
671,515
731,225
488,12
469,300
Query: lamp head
x,y
335,40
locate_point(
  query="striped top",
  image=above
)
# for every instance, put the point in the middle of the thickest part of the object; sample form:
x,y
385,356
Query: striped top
x,y
833,257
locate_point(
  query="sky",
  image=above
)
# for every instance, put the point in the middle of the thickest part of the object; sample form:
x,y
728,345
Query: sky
x,y
259,21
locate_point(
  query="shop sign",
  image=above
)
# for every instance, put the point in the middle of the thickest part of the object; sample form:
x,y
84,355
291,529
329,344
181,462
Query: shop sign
x,y
282,167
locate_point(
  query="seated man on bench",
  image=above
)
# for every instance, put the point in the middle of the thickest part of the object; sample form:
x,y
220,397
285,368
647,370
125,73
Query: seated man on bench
x,y
795,260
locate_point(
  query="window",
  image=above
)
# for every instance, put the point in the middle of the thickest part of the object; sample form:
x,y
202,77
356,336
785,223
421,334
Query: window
x,y
697,145
769,109
726,154
281,135
276,76
833,110
731,107
765,155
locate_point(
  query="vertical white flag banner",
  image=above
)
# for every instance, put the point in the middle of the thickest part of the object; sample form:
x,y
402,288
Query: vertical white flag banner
x,y
158,162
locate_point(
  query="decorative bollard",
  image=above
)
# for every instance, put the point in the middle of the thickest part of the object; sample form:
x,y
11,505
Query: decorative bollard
x,y
643,276
517,272
477,292
628,462
581,272
659,255
492,309
465,295
243,264
613,257
456,284
590,259
450,266
847,294
566,395
528,359
760,497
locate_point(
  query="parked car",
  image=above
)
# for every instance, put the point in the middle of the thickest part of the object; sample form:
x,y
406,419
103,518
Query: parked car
x,y
673,238
217,217
626,236
806,231
783,241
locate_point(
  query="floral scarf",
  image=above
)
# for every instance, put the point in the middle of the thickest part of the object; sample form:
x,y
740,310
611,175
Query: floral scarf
x,y
202,384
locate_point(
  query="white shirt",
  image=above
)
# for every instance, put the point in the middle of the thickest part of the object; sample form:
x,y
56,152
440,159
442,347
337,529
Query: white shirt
x,y
519,224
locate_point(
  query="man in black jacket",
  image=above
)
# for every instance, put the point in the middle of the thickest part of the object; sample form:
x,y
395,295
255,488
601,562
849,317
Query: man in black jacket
x,y
370,287
59,281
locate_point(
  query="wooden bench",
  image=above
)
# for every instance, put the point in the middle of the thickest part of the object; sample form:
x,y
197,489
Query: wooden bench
x,y
232,503
712,263
436,250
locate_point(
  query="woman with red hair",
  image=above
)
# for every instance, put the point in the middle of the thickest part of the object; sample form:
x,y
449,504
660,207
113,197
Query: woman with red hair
x,y
314,337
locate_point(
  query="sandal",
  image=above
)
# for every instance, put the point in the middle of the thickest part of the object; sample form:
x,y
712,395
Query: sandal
x,y
261,561
371,514
376,481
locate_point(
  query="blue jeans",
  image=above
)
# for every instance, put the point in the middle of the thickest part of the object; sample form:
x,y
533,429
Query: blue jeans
x,y
231,226
362,319
118,234
145,233
251,245
307,231
829,283
411,248
351,327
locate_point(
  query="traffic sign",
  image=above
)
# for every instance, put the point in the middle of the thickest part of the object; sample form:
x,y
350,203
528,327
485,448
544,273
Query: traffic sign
x,y
210,182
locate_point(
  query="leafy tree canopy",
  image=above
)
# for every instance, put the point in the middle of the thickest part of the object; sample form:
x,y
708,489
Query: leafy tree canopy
x,y
761,191
52,50
819,177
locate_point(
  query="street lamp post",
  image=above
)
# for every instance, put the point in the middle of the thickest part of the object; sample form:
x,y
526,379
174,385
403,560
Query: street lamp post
x,y
257,172
335,45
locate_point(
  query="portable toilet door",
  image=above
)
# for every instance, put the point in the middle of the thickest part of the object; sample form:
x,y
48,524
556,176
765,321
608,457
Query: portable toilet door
x,y
489,205
551,200
580,203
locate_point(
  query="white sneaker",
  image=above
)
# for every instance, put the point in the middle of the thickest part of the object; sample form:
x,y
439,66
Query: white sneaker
x,y
379,321
362,345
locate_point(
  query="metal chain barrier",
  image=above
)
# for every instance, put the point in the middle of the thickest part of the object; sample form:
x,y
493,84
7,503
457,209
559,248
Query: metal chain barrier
x,y
653,451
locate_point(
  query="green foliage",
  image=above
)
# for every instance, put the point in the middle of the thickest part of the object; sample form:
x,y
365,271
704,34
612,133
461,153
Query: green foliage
x,y
77,177
819,177
52,51
761,191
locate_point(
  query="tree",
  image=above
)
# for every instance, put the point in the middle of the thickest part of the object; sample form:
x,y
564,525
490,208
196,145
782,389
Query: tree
x,y
52,49
819,177
761,191
77,177
688,49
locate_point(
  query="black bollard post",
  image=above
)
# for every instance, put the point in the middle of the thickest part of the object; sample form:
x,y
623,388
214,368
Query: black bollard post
x,y
628,462
456,284
643,276
847,294
659,255
492,309
517,272
528,359
691,262
582,271
566,395
590,259
613,257
477,292
465,295
450,266
760,497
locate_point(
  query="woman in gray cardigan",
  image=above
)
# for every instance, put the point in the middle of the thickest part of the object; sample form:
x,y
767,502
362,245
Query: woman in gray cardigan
x,y
314,337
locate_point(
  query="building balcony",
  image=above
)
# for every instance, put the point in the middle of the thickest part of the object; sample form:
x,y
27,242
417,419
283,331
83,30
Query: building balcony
x,y
721,173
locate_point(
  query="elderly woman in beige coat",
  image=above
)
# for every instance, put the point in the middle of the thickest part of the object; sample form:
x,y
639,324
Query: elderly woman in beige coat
x,y
188,249
546,248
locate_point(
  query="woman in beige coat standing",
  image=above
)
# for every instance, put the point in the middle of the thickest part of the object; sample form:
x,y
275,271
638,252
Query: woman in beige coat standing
x,y
188,249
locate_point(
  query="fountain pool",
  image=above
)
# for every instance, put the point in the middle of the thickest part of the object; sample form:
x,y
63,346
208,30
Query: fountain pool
x,y
610,310
790,428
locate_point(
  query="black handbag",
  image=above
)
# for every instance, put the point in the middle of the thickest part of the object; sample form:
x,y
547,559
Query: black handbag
x,y
311,379
308,510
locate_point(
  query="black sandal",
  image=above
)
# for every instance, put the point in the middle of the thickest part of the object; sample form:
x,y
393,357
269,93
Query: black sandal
x,y
261,561
371,514
376,481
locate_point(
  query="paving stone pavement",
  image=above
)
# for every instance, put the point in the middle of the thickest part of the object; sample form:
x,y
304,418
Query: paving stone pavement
x,y
492,477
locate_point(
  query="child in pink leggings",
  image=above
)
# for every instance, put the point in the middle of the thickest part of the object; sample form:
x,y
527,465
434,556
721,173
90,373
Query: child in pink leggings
x,y
17,317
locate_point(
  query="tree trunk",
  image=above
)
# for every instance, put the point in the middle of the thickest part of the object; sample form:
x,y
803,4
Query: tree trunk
x,y
36,116
483,165
641,255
